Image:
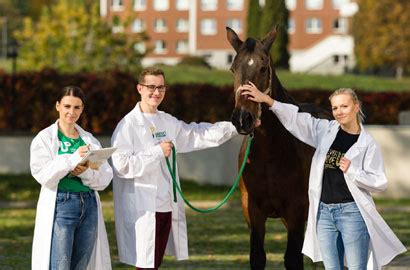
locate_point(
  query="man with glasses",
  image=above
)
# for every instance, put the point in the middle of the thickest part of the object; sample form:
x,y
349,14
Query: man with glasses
x,y
146,217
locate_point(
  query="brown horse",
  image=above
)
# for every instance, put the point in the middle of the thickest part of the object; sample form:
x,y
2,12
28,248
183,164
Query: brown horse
x,y
275,181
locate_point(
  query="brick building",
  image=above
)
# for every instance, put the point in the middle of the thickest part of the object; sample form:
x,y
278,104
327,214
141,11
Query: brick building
x,y
318,30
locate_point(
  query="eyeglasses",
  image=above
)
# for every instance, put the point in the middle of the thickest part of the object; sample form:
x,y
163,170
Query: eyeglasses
x,y
152,88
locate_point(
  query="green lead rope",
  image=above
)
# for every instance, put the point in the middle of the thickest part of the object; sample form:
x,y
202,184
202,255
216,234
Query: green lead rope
x,y
176,187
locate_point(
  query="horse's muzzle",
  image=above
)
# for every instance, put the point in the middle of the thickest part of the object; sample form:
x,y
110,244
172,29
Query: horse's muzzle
x,y
243,121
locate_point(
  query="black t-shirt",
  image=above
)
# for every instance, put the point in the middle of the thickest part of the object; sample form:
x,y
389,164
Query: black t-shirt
x,y
334,188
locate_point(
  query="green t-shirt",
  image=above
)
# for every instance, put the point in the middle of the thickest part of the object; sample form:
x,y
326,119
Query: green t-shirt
x,y
69,182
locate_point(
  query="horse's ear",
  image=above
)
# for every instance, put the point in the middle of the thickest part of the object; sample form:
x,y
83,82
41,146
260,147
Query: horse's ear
x,y
270,37
233,38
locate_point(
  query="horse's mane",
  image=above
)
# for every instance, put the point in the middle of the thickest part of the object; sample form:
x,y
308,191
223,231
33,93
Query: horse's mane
x,y
250,44
283,95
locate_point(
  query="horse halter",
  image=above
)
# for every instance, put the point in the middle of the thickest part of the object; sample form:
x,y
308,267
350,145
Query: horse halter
x,y
268,91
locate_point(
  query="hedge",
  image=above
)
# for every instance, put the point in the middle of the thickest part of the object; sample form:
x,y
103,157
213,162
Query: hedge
x,y
111,95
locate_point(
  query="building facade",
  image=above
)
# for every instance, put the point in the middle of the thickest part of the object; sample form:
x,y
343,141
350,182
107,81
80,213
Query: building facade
x,y
318,30
177,28
319,34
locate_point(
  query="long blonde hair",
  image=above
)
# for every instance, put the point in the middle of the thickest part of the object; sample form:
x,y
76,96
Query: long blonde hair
x,y
360,115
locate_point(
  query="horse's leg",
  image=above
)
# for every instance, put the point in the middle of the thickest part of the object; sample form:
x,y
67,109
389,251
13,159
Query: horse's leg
x,y
295,224
244,201
256,222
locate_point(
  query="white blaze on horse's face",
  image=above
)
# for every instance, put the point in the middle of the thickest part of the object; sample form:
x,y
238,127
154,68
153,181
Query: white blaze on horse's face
x,y
250,62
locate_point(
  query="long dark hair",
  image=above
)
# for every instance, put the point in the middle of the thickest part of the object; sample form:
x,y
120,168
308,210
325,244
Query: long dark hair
x,y
74,91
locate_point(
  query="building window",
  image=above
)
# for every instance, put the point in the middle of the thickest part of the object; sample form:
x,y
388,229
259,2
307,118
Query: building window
x,y
291,26
160,26
182,25
140,47
138,26
340,25
234,4
161,5
229,58
290,4
182,4
235,24
314,4
209,5
117,5
337,4
140,5
160,47
208,27
313,26
182,46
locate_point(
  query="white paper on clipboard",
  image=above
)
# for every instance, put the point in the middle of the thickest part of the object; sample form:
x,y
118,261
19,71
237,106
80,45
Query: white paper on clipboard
x,y
98,155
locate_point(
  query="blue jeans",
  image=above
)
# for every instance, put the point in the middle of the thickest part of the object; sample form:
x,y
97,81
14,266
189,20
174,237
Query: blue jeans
x,y
342,231
74,230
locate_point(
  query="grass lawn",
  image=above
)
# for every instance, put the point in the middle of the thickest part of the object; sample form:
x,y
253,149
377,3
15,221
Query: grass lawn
x,y
217,240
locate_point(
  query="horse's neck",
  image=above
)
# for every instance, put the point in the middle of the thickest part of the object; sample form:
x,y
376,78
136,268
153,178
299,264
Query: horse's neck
x,y
279,93
269,120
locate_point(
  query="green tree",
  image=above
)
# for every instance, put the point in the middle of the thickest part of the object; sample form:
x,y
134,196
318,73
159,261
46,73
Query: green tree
x,y
12,13
382,36
253,19
276,13
9,21
31,9
71,36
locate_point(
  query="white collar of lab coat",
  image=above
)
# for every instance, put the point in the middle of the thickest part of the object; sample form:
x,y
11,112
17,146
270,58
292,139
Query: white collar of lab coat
x,y
360,145
139,116
53,133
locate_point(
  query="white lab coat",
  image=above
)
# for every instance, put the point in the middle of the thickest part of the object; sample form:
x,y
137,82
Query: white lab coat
x,y
365,175
138,164
47,167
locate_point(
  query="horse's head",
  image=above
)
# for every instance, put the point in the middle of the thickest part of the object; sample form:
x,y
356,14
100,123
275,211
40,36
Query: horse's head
x,y
252,63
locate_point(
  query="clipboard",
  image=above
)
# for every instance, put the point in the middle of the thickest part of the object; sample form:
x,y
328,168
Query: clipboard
x,y
98,155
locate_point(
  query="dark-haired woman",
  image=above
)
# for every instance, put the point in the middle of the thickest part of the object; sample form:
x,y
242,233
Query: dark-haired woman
x,y
69,231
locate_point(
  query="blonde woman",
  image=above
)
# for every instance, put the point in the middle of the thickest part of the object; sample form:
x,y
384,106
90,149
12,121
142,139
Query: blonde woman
x,y
347,167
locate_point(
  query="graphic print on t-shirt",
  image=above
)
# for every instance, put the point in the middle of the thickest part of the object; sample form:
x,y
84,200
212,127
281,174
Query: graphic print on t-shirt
x,y
68,145
333,159
70,183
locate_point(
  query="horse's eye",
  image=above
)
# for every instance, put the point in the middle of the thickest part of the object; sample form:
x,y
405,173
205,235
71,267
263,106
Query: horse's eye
x,y
263,69
232,70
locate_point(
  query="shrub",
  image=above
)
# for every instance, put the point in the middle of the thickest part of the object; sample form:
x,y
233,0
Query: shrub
x,y
194,61
112,94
